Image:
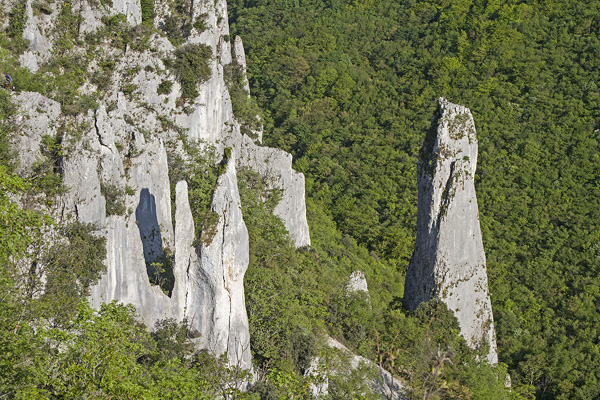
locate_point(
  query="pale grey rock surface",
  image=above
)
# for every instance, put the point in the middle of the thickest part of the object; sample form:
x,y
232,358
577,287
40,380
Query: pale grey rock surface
x,y
39,45
221,317
90,17
357,283
240,57
130,8
275,166
125,145
382,383
36,118
449,260
29,60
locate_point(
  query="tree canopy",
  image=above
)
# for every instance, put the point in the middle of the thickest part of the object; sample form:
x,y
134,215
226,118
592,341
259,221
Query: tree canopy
x,y
349,87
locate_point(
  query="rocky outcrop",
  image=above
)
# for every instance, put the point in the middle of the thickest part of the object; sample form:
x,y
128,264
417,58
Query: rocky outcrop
x,y
240,57
275,166
449,260
380,381
35,119
357,283
40,46
116,170
217,308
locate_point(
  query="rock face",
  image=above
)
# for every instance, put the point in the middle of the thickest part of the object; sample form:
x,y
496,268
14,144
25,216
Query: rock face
x,y
449,260
36,119
357,283
275,166
381,381
117,163
220,316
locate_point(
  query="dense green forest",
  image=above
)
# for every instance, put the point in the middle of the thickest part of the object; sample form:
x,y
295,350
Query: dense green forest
x,y
349,88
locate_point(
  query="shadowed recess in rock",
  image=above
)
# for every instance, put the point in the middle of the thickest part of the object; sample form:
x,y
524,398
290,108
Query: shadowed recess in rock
x,y
159,261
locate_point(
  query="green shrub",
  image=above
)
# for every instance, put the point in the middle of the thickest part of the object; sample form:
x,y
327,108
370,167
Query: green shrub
x,y
147,12
69,73
72,268
163,271
351,318
130,191
121,34
115,198
165,87
266,391
200,23
103,3
7,129
117,21
129,88
17,19
48,169
173,30
303,349
88,102
67,29
172,341
42,7
223,164
178,25
192,67
101,78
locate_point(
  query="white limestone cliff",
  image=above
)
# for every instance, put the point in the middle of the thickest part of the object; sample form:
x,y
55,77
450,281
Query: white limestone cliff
x,y
449,260
275,166
222,319
125,144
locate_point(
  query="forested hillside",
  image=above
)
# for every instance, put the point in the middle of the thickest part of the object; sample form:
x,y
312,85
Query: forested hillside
x,y
349,88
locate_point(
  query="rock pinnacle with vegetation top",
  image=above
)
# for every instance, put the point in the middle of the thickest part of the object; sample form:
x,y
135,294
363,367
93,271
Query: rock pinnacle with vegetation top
x,y
449,260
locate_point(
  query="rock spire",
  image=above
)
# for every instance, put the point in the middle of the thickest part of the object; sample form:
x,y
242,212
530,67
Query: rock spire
x,y
449,260
120,162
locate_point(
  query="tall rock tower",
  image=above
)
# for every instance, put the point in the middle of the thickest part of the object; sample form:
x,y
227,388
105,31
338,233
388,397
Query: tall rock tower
x,y
449,261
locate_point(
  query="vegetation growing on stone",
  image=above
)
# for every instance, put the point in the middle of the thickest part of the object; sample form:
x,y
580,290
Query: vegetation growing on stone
x,y
162,268
198,168
48,169
147,12
292,294
67,28
348,87
178,24
115,198
200,23
165,87
244,107
17,18
192,67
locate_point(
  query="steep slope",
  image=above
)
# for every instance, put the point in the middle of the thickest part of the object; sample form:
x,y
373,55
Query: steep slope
x,y
449,261
160,101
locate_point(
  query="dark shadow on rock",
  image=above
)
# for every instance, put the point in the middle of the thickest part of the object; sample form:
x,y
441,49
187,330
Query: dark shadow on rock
x,y
159,263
